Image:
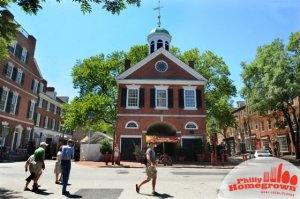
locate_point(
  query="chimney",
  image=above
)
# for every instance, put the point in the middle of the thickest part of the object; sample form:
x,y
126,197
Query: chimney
x,y
127,64
191,64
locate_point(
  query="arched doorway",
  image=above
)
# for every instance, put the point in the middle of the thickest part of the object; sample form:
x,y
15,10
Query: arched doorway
x,y
165,135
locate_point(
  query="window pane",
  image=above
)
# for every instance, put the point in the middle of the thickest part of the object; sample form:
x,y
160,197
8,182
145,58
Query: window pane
x,y
189,98
13,104
132,98
161,98
3,100
283,146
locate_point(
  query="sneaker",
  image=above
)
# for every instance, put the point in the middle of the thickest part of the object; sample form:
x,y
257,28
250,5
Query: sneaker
x,y
26,189
65,193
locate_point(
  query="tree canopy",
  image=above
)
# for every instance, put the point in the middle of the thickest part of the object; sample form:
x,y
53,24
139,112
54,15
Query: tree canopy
x,y
272,81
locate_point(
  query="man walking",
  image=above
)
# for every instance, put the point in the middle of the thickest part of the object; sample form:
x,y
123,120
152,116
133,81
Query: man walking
x,y
39,157
66,157
150,168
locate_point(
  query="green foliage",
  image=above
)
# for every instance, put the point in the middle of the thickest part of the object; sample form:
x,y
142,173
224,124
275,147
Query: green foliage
x,y
272,80
138,151
105,146
137,53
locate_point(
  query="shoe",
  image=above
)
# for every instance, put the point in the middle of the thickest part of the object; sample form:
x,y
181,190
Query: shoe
x,y
137,189
26,189
155,193
57,182
65,193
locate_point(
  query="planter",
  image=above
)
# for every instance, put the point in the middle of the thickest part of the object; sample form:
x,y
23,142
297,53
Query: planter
x,y
107,157
138,158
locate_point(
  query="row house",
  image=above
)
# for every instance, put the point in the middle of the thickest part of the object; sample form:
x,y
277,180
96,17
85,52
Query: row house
x,y
160,97
21,88
260,131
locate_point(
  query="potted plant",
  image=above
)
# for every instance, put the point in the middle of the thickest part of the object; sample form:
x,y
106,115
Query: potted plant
x,y
138,153
180,153
106,149
199,149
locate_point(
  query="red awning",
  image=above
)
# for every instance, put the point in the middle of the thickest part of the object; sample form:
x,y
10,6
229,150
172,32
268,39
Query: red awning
x,y
162,139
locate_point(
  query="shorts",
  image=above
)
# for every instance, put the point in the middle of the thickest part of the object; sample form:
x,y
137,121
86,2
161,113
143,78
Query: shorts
x,y
31,177
151,172
57,168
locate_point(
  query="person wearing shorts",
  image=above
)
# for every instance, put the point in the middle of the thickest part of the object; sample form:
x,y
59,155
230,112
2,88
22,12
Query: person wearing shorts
x,y
150,169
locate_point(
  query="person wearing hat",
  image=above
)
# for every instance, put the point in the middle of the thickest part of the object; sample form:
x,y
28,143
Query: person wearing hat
x,y
39,157
150,169
67,155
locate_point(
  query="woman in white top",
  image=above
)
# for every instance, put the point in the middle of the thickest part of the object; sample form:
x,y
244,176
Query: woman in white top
x,y
57,168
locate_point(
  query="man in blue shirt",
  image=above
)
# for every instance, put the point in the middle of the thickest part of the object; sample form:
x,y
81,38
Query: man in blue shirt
x,y
66,157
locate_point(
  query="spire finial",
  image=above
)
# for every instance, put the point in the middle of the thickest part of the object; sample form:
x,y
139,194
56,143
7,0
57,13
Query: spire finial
x,y
158,8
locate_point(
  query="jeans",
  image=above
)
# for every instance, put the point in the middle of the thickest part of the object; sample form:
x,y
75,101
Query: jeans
x,y
65,170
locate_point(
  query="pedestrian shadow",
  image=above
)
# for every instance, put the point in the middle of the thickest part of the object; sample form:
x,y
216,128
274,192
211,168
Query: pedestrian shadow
x,y
42,192
160,195
74,196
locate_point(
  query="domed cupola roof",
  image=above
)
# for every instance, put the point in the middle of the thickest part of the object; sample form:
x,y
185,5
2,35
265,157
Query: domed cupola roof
x,y
159,30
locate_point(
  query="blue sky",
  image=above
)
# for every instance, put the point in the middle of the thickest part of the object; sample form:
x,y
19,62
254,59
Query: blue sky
x,y
232,29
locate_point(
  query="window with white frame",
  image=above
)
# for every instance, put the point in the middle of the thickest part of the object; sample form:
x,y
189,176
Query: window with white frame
x,y
161,97
132,97
55,109
31,110
35,86
266,143
19,76
41,103
14,101
283,145
189,98
9,70
38,119
12,48
41,88
191,126
4,99
46,122
269,124
48,106
131,125
24,55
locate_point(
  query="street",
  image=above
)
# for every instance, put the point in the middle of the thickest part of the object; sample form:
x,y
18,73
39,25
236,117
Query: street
x,y
110,183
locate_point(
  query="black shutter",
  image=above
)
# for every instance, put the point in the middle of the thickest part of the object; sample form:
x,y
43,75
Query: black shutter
x,y
8,103
27,58
123,97
180,98
18,105
18,52
5,68
14,75
32,84
142,98
199,98
1,90
38,88
170,98
23,78
152,97
28,108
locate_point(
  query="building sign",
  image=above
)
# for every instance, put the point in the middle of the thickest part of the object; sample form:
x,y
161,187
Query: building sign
x,y
161,139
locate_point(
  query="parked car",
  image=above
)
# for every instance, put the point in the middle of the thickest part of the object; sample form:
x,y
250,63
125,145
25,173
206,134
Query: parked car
x,y
262,153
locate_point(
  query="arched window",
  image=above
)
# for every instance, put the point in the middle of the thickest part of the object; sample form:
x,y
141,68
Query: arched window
x,y
159,44
152,47
191,126
167,46
131,125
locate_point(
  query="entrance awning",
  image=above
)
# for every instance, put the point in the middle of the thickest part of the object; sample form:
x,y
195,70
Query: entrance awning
x,y
162,139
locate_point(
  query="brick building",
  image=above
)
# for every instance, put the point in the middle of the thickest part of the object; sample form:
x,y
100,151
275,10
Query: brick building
x,y
163,97
21,88
258,131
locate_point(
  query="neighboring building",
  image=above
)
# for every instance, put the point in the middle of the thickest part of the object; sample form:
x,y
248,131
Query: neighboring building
x,y
257,131
21,88
160,96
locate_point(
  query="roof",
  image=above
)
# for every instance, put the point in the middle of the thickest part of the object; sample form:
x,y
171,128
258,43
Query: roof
x,y
199,78
159,30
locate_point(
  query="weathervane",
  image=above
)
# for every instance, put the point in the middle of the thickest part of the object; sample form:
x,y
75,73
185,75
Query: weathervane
x,y
158,8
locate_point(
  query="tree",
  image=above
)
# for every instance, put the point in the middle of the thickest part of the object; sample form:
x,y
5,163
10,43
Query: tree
x,y
272,80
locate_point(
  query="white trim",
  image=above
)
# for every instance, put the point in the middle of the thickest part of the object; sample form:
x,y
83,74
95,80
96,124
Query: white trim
x,y
159,115
49,99
195,101
20,65
133,88
131,136
11,118
137,126
190,122
19,88
163,51
165,89
162,82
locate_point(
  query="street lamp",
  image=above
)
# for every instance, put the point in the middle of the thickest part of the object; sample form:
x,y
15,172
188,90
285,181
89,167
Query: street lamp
x,y
214,140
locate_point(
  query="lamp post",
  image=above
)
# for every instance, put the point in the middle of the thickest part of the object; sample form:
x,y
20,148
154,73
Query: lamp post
x,y
113,147
91,116
214,140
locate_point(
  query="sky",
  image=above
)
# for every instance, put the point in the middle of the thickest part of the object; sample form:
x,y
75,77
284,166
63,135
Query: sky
x,y
231,29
